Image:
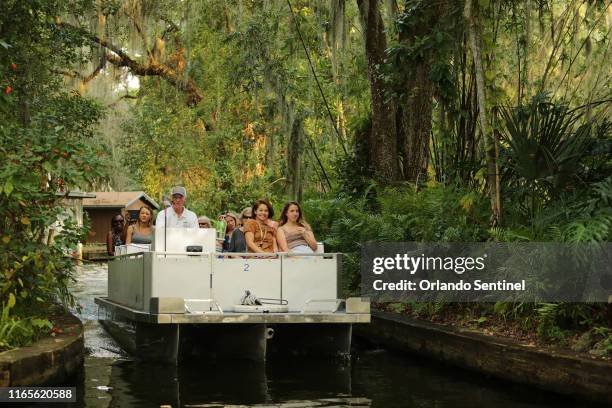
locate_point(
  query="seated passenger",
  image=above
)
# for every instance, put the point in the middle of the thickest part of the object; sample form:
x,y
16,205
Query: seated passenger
x,y
143,231
238,240
260,236
231,220
294,233
204,222
114,237
245,215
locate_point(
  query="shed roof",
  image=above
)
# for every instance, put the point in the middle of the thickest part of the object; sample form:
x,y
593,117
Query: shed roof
x,y
75,194
117,199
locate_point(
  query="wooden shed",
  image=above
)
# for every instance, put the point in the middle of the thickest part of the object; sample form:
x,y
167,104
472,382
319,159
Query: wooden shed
x,y
107,204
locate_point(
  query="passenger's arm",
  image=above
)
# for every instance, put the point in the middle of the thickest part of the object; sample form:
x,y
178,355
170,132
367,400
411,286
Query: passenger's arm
x,y
128,236
281,240
274,245
250,241
310,238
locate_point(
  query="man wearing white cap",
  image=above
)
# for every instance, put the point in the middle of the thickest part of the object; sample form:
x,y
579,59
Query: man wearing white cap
x,y
177,216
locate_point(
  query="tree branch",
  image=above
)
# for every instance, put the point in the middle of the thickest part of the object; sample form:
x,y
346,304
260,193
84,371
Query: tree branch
x,y
170,28
154,69
95,72
126,96
69,73
120,58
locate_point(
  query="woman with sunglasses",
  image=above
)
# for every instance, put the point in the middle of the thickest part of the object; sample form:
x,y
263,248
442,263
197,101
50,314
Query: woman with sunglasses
x,y
114,237
260,235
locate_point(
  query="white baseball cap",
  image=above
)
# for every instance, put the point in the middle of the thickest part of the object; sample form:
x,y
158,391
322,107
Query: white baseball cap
x,y
179,190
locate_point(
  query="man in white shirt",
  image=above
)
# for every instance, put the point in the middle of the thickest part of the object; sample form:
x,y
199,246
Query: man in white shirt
x,y
177,216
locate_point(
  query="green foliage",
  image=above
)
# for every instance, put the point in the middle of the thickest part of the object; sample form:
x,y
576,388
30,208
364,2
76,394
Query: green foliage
x,y
41,160
593,216
352,172
556,319
545,152
511,311
426,35
47,147
604,346
248,63
17,332
436,213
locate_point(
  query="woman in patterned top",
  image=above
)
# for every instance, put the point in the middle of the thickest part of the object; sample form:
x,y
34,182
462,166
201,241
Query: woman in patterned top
x,y
260,236
294,233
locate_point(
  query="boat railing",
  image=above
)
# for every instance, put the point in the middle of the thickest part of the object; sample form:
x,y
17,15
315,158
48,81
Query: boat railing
x,y
335,302
202,306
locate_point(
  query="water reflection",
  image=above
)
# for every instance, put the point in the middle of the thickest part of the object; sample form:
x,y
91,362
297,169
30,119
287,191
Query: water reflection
x,y
300,384
375,378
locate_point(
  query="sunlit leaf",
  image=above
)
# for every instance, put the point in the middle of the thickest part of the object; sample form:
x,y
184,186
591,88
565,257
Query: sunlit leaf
x,y
11,301
8,187
41,323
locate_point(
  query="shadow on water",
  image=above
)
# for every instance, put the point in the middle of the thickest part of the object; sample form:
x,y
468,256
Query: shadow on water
x,y
373,378
399,380
129,383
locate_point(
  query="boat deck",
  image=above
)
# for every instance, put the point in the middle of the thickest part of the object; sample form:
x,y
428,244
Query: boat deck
x,y
214,317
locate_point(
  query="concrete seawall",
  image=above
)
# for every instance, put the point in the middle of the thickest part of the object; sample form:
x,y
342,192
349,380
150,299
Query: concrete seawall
x,y
50,360
561,372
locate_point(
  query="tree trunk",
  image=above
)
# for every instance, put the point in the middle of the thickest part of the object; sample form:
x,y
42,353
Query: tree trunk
x,y
335,43
382,154
489,145
294,152
415,111
416,114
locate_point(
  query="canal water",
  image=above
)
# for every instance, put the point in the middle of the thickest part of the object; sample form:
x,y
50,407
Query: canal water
x,y
373,377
